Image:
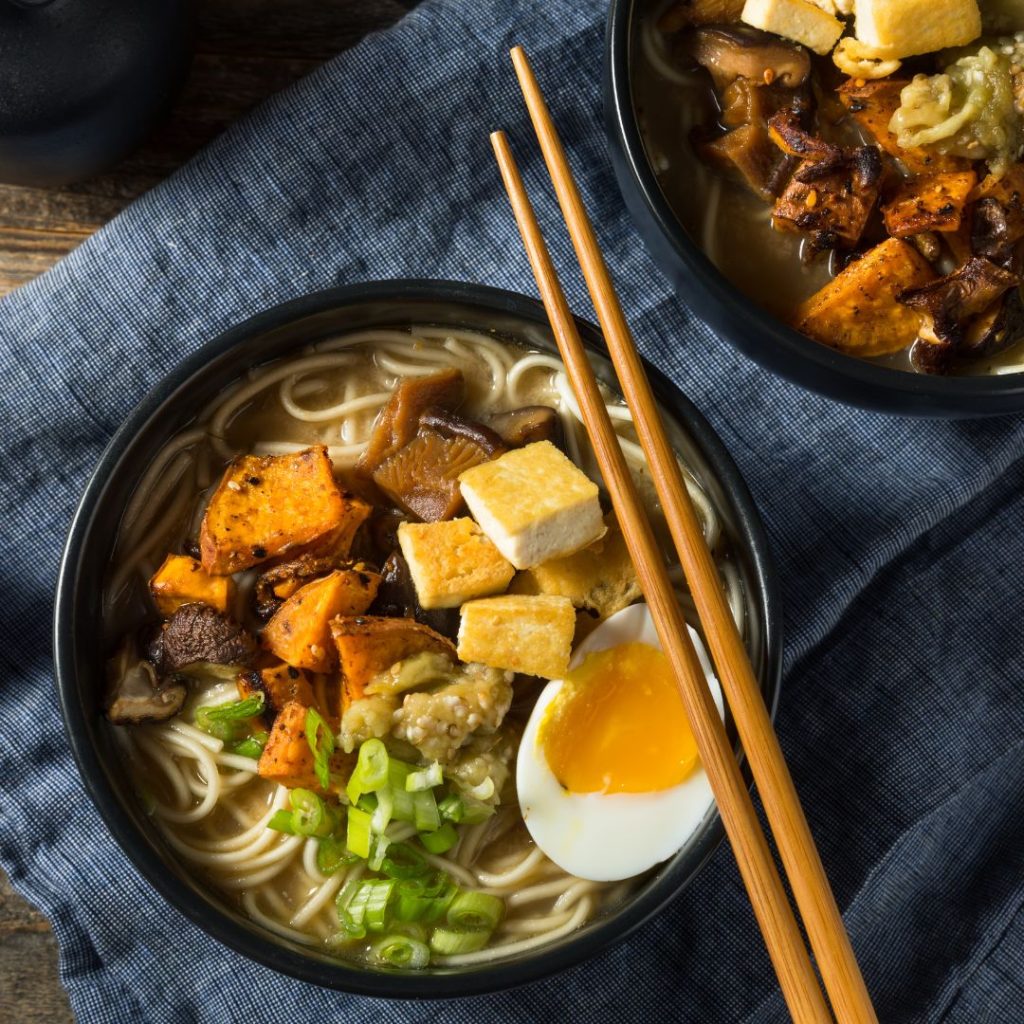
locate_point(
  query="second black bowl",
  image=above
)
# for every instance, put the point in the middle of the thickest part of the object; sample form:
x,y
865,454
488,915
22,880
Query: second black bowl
x,y
727,310
79,657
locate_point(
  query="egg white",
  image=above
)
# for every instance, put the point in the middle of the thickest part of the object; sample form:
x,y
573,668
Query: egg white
x,y
609,836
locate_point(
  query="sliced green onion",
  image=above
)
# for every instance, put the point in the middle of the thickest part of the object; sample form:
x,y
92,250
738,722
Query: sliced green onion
x,y
427,778
380,847
474,812
371,770
382,813
425,815
404,861
446,942
452,808
440,840
352,909
321,745
398,773
229,721
283,821
402,951
377,904
310,814
358,833
252,746
332,854
419,899
477,911
367,802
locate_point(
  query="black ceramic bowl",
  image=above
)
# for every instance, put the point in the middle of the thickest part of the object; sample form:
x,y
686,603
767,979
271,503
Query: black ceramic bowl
x,y
734,316
79,659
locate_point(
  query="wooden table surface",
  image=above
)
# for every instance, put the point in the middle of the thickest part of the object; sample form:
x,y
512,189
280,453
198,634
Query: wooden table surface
x,y
245,50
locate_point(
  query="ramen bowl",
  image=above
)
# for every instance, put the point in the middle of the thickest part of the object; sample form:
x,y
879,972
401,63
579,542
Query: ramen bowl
x,y
81,650
638,115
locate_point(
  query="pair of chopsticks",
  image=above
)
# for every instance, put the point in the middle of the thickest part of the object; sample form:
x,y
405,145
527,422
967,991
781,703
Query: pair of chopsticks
x,y
829,942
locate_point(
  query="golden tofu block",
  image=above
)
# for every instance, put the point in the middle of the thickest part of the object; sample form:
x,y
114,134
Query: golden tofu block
x,y
531,635
904,28
600,578
452,562
534,504
800,20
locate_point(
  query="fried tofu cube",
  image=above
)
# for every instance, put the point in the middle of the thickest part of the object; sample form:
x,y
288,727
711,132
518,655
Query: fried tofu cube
x,y
858,311
530,634
904,28
800,20
280,685
300,631
534,504
182,580
369,644
929,203
452,562
268,504
600,578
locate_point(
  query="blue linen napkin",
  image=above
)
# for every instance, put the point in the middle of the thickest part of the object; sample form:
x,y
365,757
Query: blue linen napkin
x,y
899,544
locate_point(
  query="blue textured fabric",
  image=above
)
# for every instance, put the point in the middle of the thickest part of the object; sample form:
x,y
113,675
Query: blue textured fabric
x,y
899,542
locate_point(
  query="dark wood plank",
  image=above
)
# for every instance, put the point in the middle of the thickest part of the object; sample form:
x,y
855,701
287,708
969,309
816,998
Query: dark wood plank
x,y
29,990
246,50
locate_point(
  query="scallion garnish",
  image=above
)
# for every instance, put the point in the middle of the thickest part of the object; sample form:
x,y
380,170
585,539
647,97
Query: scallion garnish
x,y
425,814
252,746
440,840
371,770
283,821
311,815
426,778
321,745
377,903
446,942
358,832
404,861
380,847
229,721
474,911
383,811
402,951
332,854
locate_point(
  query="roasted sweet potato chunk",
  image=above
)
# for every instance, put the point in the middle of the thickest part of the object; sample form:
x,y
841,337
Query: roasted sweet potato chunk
x,y
423,477
858,311
872,105
287,757
933,202
300,633
399,420
280,685
266,505
182,580
368,644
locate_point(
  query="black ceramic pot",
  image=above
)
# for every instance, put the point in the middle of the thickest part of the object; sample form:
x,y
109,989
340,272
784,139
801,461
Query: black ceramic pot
x,y
81,81
729,312
79,660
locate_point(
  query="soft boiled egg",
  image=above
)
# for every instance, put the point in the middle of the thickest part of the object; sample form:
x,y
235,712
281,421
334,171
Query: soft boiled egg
x,y
608,775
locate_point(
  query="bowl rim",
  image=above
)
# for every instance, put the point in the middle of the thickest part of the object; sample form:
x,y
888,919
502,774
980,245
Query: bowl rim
x,y
730,312
253,942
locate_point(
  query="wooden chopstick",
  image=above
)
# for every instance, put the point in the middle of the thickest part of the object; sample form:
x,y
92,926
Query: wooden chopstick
x,y
782,935
812,892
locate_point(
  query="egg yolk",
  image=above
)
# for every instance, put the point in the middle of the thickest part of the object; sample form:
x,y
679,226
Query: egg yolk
x,y
617,724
